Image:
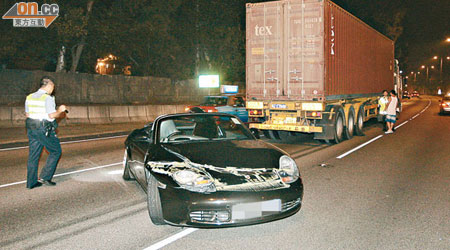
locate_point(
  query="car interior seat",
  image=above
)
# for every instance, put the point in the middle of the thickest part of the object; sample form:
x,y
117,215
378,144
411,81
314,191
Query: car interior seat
x,y
167,128
206,129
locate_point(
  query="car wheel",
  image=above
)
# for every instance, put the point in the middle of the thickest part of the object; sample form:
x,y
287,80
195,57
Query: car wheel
x,y
154,201
126,167
339,127
350,124
360,122
266,134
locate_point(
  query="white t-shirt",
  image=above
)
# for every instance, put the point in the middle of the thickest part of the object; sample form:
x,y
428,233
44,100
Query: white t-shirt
x,y
392,108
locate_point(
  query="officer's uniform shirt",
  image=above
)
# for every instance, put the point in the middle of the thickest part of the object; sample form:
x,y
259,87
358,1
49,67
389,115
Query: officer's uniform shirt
x,y
36,109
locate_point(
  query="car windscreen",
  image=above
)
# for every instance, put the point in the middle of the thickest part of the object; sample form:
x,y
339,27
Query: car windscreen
x,y
185,129
214,101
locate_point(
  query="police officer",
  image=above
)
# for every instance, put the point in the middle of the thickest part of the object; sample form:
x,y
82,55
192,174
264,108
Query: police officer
x,y
41,113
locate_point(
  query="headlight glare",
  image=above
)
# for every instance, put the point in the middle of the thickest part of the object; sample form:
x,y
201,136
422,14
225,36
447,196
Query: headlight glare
x,y
288,169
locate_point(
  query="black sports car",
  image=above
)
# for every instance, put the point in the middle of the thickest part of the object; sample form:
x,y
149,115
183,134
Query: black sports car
x,y
208,170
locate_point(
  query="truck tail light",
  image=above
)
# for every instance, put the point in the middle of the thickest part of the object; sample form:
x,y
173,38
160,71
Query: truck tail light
x,y
255,112
213,110
313,114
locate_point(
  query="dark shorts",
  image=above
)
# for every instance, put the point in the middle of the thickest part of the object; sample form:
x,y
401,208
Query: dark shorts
x,y
391,118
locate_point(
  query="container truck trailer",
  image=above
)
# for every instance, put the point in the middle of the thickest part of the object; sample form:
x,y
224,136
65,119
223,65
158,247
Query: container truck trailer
x,y
312,67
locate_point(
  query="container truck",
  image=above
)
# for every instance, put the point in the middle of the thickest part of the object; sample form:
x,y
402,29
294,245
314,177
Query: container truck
x,y
312,67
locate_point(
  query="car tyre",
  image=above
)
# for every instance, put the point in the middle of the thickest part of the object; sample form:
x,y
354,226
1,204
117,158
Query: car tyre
x,y
339,127
350,129
360,122
126,168
154,201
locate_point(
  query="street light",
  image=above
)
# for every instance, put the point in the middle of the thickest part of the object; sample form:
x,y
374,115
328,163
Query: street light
x,y
423,66
448,39
442,59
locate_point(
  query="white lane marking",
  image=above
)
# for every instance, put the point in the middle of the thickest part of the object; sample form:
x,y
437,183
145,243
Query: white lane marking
x,y
396,127
360,146
171,239
68,142
378,137
68,173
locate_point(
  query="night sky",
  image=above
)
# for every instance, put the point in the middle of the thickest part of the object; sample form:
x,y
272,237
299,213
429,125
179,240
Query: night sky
x,y
425,26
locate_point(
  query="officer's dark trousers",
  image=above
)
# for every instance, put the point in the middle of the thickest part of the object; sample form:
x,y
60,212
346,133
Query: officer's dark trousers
x,y
38,140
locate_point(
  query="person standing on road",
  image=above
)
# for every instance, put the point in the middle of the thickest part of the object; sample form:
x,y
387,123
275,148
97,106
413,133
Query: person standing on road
x,y
40,123
391,112
382,104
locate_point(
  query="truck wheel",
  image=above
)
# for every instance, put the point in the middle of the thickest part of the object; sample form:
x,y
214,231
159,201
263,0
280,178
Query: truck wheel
x,y
126,167
154,201
274,134
284,135
360,122
267,134
339,127
350,124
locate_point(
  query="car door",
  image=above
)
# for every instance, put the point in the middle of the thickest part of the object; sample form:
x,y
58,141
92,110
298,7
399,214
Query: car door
x,y
138,148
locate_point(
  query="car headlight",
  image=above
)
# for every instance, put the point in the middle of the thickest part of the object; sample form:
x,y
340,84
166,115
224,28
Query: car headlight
x,y
288,169
194,181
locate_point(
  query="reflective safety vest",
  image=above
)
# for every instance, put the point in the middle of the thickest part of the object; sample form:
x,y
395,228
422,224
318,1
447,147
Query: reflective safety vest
x,y
383,102
36,107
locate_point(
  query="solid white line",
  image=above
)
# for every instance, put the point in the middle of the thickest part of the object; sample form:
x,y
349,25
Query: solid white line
x,y
68,173
171,239
360,146
396,127
68,142
378,137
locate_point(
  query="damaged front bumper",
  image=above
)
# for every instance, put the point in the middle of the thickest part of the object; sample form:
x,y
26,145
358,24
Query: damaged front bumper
x,y
229,208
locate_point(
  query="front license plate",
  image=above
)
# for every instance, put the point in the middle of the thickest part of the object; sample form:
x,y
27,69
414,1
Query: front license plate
x,y
255,209
278,106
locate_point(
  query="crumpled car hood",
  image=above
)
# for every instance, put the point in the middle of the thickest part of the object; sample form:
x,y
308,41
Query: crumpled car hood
x,y
239,154
232,165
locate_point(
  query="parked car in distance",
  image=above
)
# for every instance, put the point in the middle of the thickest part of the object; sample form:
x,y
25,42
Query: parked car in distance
x,y
406,94
208,170
444,105
230,104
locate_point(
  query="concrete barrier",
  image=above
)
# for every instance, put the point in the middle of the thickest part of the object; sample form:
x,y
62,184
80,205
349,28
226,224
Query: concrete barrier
x,y
168,109
137,113
181,108
98,114
118,114
18,116
77,115
152,112
5,117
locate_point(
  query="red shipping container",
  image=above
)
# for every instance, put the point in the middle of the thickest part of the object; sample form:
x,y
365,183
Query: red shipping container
x,y
314,50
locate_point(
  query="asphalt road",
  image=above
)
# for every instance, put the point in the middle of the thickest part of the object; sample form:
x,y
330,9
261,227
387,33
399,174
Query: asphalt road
x,y
393,193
